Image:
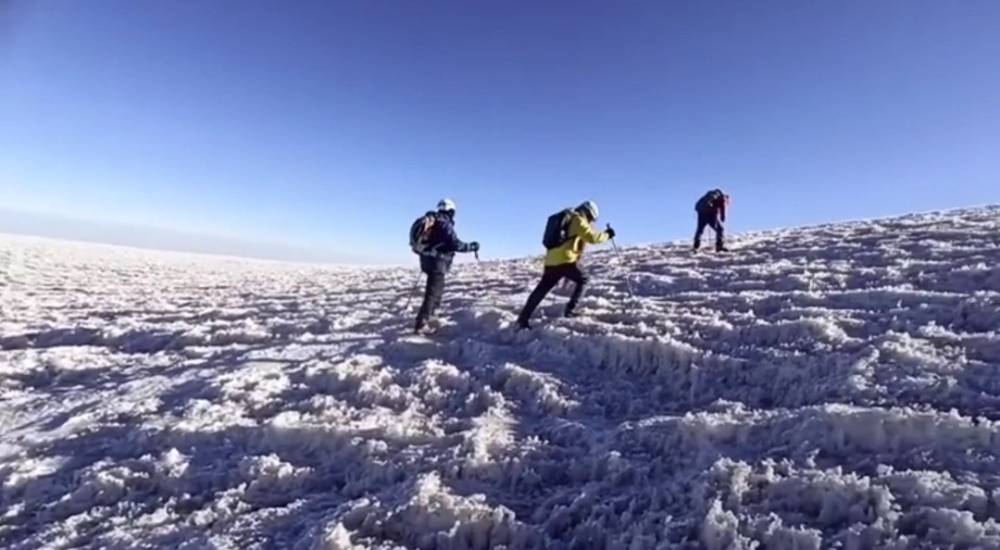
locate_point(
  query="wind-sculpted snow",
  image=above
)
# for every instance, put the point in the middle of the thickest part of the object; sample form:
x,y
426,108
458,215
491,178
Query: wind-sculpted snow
x,y
829,387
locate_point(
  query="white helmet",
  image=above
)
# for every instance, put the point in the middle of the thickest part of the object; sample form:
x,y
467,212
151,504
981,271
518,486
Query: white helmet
x,y
589,208
446,205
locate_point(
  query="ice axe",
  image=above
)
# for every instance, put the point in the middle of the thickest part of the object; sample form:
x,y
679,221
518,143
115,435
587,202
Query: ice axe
x,y
621,260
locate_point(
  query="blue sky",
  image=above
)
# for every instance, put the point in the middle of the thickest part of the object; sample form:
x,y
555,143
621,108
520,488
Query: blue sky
x,y
332,125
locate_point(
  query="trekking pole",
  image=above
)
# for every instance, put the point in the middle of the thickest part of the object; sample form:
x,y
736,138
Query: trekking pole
x,y
416,288
479,265
621,260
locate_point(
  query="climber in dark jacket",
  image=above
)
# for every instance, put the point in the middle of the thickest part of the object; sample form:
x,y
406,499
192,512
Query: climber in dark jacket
x,y
711,209
437,257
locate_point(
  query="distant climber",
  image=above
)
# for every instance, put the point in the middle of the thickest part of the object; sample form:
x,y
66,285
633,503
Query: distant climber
x,y
433,237
566,234
711,210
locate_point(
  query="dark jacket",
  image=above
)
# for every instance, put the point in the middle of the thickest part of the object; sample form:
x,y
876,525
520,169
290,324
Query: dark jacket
x,y
712,205
443,243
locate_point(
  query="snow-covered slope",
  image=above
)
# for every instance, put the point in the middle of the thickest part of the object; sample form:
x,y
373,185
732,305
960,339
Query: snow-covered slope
x,y
835,386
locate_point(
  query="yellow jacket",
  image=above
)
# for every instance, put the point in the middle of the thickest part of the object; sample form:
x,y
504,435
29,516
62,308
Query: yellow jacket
x,y
581,233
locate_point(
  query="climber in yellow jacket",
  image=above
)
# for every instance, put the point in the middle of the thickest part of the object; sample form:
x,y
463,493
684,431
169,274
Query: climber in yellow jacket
x,y
566,234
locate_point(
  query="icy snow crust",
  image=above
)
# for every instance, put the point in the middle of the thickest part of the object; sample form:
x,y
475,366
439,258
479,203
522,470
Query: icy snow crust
x,y
834,386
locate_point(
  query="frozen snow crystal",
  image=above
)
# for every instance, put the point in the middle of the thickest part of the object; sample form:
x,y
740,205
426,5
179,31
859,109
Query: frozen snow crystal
x,y
823,387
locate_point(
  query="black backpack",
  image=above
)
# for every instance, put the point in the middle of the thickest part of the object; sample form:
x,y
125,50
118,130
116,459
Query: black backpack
x,y
708,201
557,229
420,232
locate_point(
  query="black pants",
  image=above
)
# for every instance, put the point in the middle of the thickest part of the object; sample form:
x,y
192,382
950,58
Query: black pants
x,y
550,278
709,220
432,297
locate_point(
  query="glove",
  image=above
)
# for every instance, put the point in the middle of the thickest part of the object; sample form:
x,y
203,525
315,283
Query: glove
x,y
611,232
473,246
